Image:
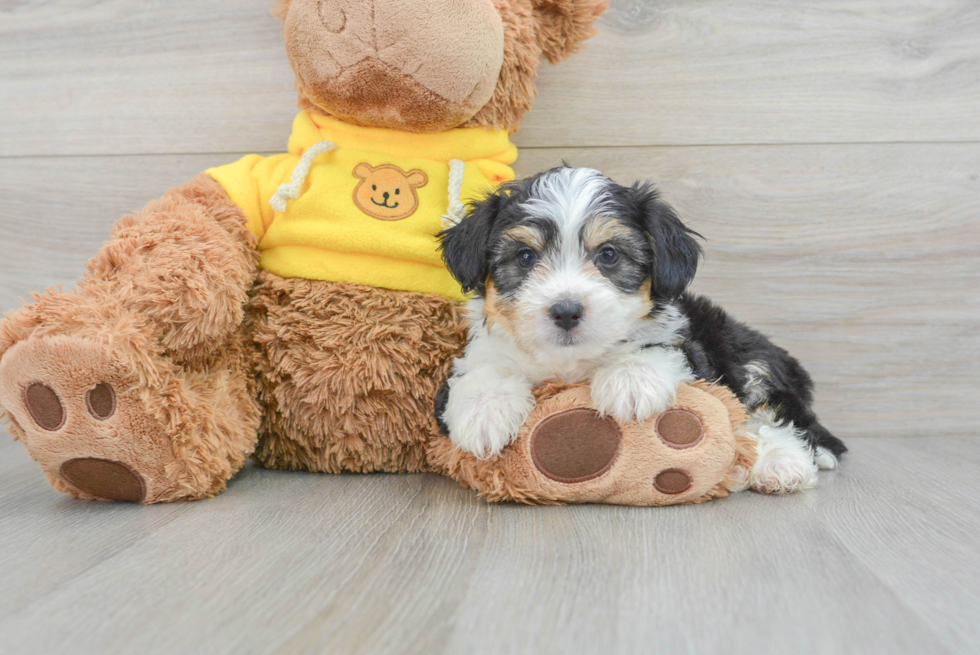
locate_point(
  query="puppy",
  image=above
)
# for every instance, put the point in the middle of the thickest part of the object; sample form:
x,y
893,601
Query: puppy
x,y
579,279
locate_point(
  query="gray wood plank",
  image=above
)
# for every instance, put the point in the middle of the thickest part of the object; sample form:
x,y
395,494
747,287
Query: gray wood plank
x,y
56,212
276,554
131,76
670,72
861,260
196,77
748,575
919,534
292,562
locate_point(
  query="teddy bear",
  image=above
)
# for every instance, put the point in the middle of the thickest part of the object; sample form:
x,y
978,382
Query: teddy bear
x,y
294,308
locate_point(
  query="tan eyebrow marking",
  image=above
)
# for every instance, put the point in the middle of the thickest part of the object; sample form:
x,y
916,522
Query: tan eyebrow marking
x,y
644,293
600,229
527,235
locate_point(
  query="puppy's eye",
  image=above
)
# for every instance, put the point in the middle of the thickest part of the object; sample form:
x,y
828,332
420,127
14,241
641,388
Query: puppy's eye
x,y
526,257
608,256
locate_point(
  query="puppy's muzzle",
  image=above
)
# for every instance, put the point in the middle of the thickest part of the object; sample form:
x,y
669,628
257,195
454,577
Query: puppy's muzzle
x,y
566,314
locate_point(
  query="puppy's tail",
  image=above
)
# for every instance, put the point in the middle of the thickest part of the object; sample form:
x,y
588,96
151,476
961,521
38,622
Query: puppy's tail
x,y
791,407
821,436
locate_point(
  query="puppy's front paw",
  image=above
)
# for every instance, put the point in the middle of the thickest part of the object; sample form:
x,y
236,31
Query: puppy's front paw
x,y
485,413
632,391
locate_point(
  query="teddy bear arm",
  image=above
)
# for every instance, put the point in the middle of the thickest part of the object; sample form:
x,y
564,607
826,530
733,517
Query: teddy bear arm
x,y
185,262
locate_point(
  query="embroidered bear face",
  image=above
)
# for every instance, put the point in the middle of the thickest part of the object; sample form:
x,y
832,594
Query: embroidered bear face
x,y
387,192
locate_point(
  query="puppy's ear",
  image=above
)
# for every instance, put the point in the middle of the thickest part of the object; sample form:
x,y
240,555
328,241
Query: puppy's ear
x,y
464,246
562,25
676,253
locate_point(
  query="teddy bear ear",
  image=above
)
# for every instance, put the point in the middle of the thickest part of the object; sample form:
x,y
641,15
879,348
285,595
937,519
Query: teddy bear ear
x,y
362,170
280,8
417,178
564,24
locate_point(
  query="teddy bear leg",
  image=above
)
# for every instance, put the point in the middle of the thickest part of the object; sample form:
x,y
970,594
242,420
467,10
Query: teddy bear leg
x,y
120,392
567,452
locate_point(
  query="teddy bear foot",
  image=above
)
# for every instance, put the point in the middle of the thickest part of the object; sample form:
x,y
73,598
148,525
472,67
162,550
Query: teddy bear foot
x,y
567,452
96,418
76,407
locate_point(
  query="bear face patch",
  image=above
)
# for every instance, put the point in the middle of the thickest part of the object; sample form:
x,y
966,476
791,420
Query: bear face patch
x,y
387,192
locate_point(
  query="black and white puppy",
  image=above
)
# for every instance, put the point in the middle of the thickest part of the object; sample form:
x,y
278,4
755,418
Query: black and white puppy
x,y
580,279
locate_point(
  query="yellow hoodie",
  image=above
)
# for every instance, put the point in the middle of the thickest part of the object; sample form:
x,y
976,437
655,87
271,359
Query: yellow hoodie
x,y
370,203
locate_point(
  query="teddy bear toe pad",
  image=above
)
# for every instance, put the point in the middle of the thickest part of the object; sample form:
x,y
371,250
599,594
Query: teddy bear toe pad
x,y
680,428
672,481
44,406
105,479
575,445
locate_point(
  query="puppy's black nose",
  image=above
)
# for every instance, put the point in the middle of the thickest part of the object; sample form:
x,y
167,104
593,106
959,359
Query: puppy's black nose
x,y
566,314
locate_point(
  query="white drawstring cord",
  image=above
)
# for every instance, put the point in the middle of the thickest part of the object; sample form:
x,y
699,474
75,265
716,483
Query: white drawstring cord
x,y
291,190
456,211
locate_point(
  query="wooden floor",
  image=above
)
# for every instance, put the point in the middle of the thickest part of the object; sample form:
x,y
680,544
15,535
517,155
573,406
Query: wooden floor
x,y
830,153
881,558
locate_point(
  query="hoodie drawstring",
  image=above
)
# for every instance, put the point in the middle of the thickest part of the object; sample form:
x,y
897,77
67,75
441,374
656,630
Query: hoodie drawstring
x,y
291,190
456,210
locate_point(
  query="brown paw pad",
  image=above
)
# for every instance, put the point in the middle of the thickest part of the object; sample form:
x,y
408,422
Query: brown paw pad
x,y
679,428
672,481
101,401
104,479
44,406
575,445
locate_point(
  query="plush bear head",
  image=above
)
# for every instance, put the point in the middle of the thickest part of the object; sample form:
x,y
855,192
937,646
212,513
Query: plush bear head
x,y
428,65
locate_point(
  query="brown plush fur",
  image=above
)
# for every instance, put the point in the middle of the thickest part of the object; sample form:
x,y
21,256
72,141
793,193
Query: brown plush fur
x,y
745,450
349,373
516,84
159,319
185,263
563,25
553,29
393,64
